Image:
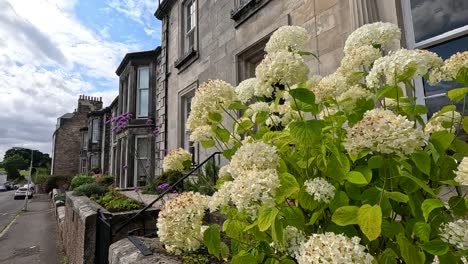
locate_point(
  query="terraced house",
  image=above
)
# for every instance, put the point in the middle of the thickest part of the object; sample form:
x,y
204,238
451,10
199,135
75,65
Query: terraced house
x,y
225,39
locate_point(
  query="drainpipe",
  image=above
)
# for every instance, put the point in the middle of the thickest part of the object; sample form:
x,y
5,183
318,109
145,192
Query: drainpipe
x,y
166,81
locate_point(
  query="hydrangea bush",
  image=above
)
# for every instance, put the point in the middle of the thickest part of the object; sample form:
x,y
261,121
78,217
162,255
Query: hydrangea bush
x,y
339,169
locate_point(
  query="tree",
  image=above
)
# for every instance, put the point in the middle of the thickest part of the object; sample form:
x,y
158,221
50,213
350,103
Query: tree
x,y
39,159
13,164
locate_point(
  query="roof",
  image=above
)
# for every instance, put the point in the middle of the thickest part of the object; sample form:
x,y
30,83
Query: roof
x,y
67,115
163,8
136,55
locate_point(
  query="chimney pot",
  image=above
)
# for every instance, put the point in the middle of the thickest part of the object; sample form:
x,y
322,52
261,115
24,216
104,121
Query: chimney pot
x,y
100,99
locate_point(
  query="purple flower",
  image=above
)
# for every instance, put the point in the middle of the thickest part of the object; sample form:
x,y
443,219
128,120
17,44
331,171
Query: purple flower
x,y
149,121
136,189
163,186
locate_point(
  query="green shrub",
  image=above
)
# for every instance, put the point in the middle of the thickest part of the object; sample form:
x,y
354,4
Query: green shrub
x,y
206,180
90,189
81,180
114,201
169,177
105,180
58,182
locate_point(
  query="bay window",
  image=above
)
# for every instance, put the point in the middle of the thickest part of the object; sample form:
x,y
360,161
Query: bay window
x,y
143,92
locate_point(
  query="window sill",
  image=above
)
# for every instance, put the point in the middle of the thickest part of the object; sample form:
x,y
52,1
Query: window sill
x,y
186,59
244,12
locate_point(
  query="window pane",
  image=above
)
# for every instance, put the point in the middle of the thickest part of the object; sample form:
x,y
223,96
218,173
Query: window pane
x,y
434,17
445,50
142,148
95,131
143,77
143,102
434,104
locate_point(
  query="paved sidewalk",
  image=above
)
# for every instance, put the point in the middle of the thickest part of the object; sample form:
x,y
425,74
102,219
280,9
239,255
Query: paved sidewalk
x,y
32,238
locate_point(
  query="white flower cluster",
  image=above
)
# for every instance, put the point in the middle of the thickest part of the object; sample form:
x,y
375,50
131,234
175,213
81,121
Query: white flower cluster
x,y
320,189
202,133
436,260
455,233
179,224
383,131
254,189
287,38
293,239
253,156
439,122
211,97
256,108
329,86
462,172
379,33
279,68
221,197
333,248
285,112
359,56
449,70
246,89
174,161
400,62
348,99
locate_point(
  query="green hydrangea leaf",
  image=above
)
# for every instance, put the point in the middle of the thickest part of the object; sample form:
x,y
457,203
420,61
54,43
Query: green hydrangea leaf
x,y
346,215
370,220
430,204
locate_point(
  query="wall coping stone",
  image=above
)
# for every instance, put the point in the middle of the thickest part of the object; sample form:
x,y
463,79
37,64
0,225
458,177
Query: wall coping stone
x,y
124,252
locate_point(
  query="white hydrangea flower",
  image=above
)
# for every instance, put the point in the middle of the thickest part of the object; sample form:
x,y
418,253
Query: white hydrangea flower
x,y
286,113
436,123
211,97
462,172
174,161
224,171
273,120
455,233
400,62
287,38
221,197
329,87
253,156
333,248
257,107
253,189
449,70
279,68
202,133
349,98
383,131
246,89
359,56
320,189
379,33
328,111
180,222
293,239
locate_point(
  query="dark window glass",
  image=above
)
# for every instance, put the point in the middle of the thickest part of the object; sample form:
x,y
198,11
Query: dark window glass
x,y
435,17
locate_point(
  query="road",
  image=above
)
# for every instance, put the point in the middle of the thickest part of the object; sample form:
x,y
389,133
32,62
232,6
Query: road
x,y
32,238
8,208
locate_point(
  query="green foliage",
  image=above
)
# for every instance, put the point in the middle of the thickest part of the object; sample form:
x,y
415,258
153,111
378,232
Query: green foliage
x,y
206,179
79,180
89,189
12,164
169,177
105,180
56,182
195,259
114,201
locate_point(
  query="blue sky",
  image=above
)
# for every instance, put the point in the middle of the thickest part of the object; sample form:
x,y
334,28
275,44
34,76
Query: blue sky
x,y
51,51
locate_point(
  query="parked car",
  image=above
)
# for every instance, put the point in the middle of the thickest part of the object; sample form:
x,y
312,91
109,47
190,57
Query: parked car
x,y
8,186
22,192
16,186
32,187
3,188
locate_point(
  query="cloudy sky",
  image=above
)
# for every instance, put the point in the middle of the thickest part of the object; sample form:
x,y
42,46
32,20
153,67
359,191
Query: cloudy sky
x,y
51,51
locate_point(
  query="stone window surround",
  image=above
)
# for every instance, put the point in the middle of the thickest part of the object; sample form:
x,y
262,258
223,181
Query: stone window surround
x,y
187,56
138,89
242,13
188,91
137,159
411,44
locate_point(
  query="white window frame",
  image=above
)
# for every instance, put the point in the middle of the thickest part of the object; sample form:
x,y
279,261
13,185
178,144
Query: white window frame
x,y
83,165
412,44
137,159
84,139
189,32
139,88
95,130
95,158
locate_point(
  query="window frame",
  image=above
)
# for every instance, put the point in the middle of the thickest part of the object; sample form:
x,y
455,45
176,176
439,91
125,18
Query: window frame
x,y
139,115
136,158
95,130
94,157
188,14
424,44
183,133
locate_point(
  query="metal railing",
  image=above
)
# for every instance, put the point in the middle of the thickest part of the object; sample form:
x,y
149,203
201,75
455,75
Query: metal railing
x,y
103,237
131,236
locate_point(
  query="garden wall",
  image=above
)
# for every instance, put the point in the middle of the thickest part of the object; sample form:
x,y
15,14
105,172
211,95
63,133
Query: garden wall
x,y
79,228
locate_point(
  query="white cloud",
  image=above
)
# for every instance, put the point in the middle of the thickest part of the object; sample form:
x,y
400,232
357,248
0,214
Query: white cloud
x,y
140,11
47,58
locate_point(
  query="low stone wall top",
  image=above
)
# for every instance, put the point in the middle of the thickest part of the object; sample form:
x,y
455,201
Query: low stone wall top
x,y
124,252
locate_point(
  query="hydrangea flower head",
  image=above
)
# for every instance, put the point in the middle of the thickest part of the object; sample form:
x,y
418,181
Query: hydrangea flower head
x,y
174,161
462,172
287,38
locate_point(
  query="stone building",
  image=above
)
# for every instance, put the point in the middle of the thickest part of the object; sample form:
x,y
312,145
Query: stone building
x,y
66,141
225,39
131,145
